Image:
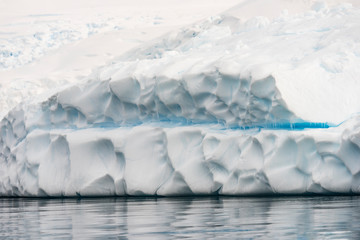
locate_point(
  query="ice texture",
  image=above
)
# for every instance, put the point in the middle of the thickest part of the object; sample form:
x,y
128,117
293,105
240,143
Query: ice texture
x,y
222,107
183,160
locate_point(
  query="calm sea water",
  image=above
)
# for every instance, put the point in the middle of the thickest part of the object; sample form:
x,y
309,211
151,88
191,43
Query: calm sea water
x,y
191,218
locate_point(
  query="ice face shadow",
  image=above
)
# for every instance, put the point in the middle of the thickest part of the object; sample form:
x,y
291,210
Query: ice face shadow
x,y
194,218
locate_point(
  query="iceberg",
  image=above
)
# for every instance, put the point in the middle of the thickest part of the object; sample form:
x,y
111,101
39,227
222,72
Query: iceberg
x,y
226,106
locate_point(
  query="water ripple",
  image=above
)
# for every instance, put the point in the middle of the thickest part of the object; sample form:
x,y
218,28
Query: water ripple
x,y
191,218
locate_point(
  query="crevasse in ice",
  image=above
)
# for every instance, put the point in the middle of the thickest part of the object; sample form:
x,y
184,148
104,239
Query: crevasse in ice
x,y
222,107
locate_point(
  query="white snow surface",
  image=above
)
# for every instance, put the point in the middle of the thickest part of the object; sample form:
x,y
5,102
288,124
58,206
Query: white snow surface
x,y
46,45
245,102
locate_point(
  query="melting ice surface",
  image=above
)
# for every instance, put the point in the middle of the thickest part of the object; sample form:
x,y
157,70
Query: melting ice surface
x,y
223,107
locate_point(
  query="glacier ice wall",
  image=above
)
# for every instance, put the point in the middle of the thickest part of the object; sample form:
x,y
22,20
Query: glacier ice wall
x,y
182,160
224,107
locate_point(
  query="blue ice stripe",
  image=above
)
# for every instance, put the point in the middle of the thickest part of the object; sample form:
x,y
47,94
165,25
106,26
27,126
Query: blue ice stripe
x,y
286,126
181,122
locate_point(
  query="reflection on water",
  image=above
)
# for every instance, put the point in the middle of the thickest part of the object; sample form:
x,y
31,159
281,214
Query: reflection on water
x,y
194,218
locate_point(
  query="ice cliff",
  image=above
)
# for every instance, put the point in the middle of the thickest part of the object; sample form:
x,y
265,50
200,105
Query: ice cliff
x,y
223,107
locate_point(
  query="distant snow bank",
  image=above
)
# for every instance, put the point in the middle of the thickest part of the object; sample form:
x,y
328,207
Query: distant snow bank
x,y
168,118
30,30
48,46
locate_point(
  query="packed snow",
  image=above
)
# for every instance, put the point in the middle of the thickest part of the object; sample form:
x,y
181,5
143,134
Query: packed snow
x,y
46,46
242,103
